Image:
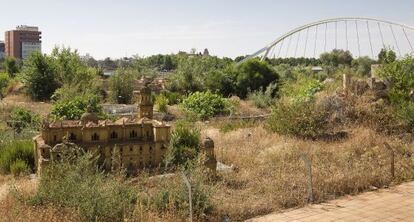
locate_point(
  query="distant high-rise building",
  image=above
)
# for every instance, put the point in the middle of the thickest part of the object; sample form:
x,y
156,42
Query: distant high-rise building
x,y
2,48
22,41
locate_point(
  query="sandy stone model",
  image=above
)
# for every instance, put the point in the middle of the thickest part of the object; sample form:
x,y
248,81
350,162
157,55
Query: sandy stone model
x,y
130,143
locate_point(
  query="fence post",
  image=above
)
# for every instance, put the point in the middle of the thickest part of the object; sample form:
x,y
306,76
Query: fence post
x,y
190,201
392,160
308,166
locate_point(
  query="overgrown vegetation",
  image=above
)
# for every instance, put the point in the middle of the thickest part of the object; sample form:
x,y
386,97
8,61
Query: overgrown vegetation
x,y
16,156
74,108
21,118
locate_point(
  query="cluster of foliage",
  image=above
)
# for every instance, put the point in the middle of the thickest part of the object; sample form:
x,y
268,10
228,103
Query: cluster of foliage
x,y
44,74
74,108
161,101
263,99
21,119
302,89
4,82
206,104
295,61
16,156
78,184
299,118
184,144
336,57
11,67
121,86
400,73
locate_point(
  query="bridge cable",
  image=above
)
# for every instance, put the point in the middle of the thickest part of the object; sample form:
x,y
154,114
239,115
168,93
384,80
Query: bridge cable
x,y
287,50
346,34
306,42
359,45
316,38
382,36
272,52
280,49
326,29
370,42
406,36
336,34
297,44
395,40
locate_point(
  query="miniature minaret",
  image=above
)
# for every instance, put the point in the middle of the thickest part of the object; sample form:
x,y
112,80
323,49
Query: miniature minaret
x,y
145,104
208,149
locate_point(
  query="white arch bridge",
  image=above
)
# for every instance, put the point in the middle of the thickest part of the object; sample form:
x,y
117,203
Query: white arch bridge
x,y
360,35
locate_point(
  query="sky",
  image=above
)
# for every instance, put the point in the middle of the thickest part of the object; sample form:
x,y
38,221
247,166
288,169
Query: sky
x,y
229,28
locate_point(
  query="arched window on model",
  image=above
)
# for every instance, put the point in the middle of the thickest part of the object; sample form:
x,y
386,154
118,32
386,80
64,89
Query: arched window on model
x,y
114,135
95,137
133,134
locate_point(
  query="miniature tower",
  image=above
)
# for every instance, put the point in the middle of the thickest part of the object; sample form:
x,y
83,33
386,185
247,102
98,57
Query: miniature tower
x,y
145,104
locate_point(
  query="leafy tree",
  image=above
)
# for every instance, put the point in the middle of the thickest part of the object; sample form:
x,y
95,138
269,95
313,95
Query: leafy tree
x,y
11,66
121,86
39,75
253,75
221,81
386,56
336,57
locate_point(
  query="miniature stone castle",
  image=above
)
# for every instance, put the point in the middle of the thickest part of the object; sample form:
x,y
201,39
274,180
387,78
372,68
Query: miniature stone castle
x,y
129,143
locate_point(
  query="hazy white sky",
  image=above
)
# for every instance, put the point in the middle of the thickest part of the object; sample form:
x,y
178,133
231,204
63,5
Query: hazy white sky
x,y
119,28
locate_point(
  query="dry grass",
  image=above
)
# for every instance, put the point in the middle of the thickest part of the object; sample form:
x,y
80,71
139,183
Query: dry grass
x,y
271,174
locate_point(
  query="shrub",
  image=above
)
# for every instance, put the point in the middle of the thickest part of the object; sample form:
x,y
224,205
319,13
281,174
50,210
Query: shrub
x,y
172,97
299,118
80,185
206,104
184,144
302,89
4,82
19,167
263,99
161,101
11,66
73,109
21,118
16,150
171,194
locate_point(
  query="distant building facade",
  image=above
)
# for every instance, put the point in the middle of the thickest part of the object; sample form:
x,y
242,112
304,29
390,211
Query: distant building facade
x,y
22,41
2,50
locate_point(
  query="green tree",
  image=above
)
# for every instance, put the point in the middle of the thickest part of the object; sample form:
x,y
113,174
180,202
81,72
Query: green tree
x,y
386,56
39,75
206,104
122,86
253,75
72,109
11,66
336,57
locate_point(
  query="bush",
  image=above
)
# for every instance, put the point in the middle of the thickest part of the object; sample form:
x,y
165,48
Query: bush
x,y
11,66
302,89
4,82
21,118
172,97
16,150
19,167
263,99
184,144
161,101
299,118
73,109
80,185
206,104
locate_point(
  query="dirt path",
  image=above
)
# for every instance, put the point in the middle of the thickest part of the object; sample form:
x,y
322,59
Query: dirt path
x,y
27,184
394,204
